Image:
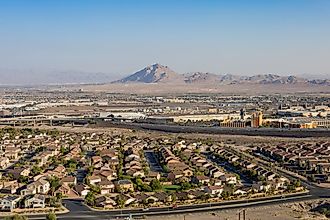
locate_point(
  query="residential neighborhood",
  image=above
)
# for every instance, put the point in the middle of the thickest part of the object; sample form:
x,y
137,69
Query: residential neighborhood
x,y
111,171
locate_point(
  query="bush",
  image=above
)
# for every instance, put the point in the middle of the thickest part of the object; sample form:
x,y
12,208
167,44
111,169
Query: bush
x,y
51,216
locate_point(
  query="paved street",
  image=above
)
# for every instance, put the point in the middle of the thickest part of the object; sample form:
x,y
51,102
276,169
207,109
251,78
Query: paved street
x,y
79,211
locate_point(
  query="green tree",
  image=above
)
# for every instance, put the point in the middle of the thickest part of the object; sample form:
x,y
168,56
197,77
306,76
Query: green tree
x,y
71,165
120,201
54,202
225,194
297,183
185,186
90,199
35,170
23,179
155,184
51,216
54,184
95,189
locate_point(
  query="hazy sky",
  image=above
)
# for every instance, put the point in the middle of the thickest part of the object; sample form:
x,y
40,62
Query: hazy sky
x,y
121,36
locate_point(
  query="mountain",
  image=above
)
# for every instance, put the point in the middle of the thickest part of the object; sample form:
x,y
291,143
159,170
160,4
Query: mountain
x,y
321,82
200,77
155,73
272,79
158,73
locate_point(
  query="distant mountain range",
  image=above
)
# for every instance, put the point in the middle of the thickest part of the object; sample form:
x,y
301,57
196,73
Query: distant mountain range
x,y
158,73
153,74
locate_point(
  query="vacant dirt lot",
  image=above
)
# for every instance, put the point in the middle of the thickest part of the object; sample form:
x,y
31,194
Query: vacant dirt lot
x,y
290,211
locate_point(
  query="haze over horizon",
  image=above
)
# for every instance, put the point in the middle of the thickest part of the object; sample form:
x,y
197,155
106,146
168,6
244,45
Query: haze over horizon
x,y
120,37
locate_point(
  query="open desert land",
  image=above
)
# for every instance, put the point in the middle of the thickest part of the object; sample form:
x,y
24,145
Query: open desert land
x,y
169,88
286,211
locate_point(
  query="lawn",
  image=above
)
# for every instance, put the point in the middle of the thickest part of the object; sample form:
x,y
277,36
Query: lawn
x,y
170,188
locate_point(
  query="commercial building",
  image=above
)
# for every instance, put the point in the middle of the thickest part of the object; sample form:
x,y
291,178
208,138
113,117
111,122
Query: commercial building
x,y
256,120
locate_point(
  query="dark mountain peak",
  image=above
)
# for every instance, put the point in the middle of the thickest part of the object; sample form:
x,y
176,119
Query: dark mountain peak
x,y
152,74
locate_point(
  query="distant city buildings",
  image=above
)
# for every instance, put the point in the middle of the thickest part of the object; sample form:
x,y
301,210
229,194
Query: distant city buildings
x,y
257,120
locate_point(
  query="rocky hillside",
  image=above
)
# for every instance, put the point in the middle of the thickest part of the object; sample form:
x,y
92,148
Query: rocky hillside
x,y
157,73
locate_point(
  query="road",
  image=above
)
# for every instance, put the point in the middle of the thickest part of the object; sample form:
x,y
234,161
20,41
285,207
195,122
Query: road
x,y
275,132
79,211
153,161
315,190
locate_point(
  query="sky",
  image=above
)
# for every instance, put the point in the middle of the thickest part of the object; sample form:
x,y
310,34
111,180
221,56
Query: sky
x,y
122,36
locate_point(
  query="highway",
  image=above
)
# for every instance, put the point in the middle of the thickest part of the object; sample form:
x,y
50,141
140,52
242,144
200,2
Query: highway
x,y
275,132
172,128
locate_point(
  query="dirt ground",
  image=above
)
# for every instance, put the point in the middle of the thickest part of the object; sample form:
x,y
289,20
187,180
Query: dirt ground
x,y
292,211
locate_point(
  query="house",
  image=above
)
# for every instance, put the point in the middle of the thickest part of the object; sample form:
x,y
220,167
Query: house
x,y
249,165
280,183
154,175
19,171
323,168
174,175
128,199
132,157
94,179
144,198
96,159
40,186
215,172
35,201
124,185
9,202
200,180
239,192
4,162
229,178
10,187
163,197
109,174
12,154
69,180
135,173
214,190
81,189
270,175
105,202
182,196
63,189
217,182
261,186
106,187
195,194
